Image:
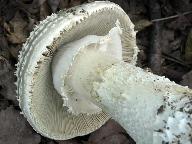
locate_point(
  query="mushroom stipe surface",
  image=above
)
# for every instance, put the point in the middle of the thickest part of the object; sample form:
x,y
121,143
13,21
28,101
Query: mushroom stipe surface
x,y
77,69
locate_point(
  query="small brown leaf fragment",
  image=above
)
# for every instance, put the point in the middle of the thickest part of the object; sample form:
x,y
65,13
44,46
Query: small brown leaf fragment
x,y
141,24
17,33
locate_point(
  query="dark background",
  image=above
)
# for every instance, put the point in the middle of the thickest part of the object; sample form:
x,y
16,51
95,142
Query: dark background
x,y
164,38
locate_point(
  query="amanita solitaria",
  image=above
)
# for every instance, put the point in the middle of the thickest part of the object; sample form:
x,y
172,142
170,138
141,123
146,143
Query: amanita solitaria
x,y
76,70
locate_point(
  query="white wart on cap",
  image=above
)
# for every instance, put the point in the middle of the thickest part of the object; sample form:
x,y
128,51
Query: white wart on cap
x,y
40,102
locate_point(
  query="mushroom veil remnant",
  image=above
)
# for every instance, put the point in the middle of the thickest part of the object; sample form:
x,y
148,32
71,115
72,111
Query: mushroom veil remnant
x,y
77,69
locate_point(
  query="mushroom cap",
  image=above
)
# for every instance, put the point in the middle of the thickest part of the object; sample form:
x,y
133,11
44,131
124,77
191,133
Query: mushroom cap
x,y
39,101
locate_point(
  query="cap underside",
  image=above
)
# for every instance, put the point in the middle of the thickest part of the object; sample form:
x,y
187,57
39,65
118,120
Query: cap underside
x,y
49,117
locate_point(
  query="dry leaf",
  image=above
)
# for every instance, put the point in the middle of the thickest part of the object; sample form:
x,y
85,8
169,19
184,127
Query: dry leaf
x,y
141,24
16,31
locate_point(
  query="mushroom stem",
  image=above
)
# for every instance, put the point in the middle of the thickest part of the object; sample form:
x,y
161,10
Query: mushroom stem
x,y
151,108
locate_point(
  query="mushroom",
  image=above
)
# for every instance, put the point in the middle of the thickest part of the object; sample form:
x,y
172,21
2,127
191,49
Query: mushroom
x,y
37,89
77,69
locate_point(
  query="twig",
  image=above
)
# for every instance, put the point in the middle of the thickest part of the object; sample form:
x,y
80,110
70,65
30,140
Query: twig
x,y
155,48
173,59
171,17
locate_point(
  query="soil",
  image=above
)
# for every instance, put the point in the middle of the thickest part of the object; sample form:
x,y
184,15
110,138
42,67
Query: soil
x,y
164,38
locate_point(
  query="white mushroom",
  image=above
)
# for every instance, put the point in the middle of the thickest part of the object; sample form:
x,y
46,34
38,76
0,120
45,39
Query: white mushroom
x,y
41,101
81,59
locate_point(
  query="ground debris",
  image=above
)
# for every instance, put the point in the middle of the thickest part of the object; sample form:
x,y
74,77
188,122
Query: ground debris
x,y
71,141
187,79
15,129
7,79
110,132
188,48
53,4
17,20
44,11
16,33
